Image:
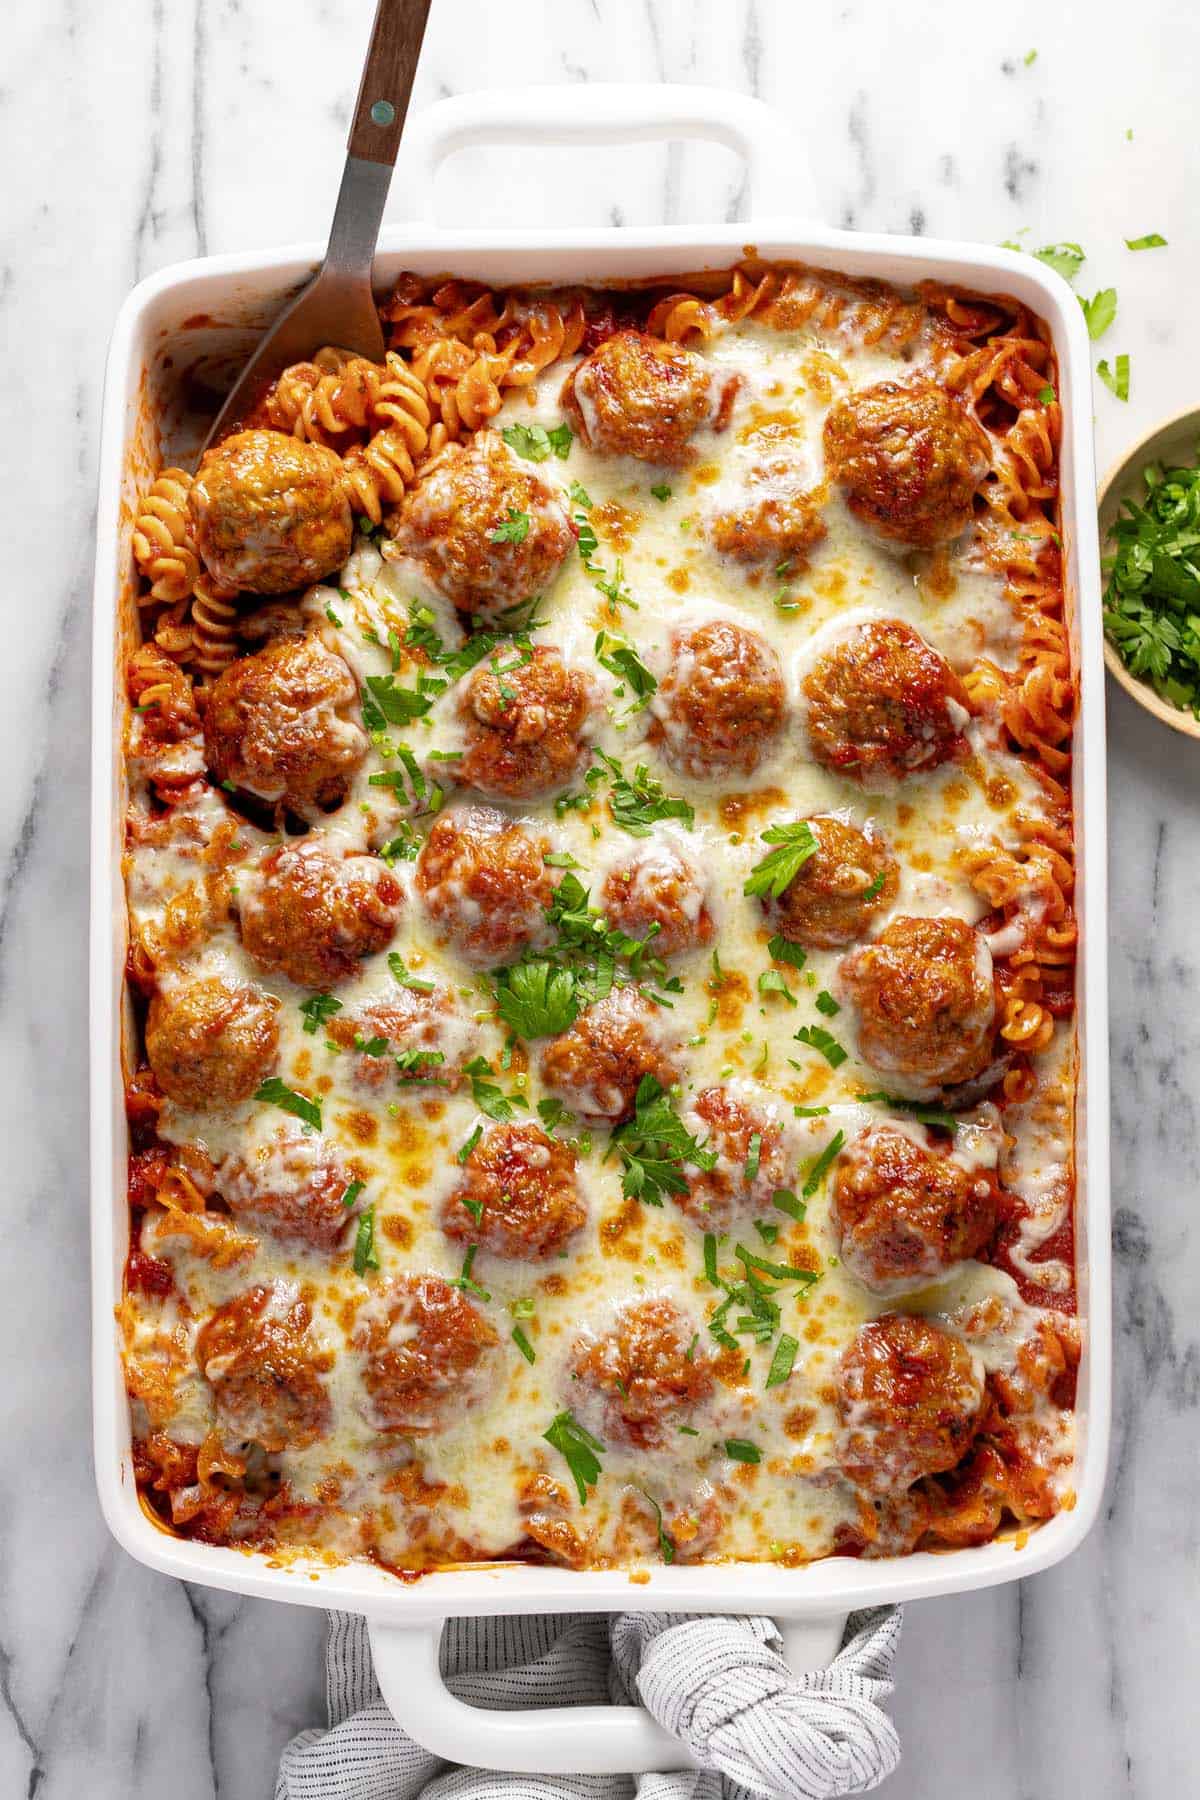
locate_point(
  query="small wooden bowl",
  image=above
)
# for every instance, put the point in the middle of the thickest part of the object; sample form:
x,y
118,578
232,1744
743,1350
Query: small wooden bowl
x,y
1177,442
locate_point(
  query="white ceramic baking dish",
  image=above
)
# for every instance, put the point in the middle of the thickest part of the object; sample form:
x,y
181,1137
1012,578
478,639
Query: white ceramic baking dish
x,y
212,310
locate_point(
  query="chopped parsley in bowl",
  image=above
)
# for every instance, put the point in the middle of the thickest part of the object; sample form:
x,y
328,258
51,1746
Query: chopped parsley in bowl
x,y
1152,591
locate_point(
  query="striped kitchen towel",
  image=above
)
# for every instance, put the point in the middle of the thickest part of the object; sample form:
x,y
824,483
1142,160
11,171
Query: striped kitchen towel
x,y
718,1683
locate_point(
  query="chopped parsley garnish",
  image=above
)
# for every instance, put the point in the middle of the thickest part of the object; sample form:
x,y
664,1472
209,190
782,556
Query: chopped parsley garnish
x,y
923,1111
416,1062
316,1009
523,1308
384,704
1153,240
366,1256
741,1451
551,1112
783,1359
1152,600
404,847
767,1230
665,1546
490,1099
1099,312
561,859
581,1450
772,982
369,1046
464,1279
523,1344
817,1038
1116,379
794,845
827,1004
351,1194
654,1145
810,1112
401,974
537,999
618,656
465,1149
636,803
277,1093
875,888
787,1202
753,1157
710,1260
821,1166
514,529
1064,259
408,783
780,949
1030,58
535,443
1047,396
661,491
751,1260
331,615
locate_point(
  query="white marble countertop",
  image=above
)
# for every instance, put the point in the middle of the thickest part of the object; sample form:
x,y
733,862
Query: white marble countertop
x,y
136,132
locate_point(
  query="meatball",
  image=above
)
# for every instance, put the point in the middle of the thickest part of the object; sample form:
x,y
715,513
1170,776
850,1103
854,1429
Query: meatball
x,y
258,1356
836,895
487,531
426,1353
925,1002
211,1042
906,1215
293,1189
776,519
726,1120
312,914
638,396
518,1197
908,458
595,1068
279,724
528,724
658,889
271,513
412,1035
485,884
882,703
909,1397
636,1383
721,703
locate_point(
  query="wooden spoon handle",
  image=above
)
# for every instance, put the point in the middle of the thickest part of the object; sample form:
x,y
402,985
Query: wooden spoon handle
x,y
387,79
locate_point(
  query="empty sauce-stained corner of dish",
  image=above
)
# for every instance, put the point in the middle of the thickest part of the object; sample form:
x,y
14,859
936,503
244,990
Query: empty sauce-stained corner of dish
x,y
604,954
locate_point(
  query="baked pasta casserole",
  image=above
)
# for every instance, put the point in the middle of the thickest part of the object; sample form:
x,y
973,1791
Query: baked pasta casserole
x,y
599,865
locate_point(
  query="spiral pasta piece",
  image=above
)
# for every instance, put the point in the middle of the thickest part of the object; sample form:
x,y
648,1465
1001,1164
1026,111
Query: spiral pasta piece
x,y
162,544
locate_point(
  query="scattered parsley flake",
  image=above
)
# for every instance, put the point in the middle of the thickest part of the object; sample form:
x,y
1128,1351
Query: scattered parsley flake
x,y
401,974
465,1149
654,1145
772,982
1047,396
537,999
742,1451
783,1359
873,891
661,491
316,1009
786,1202
277,1093
753,1157
366,1256
782,950
464,1279
827,1004
821,1166
1065,259
1153,240
817,1038
580,1449
795,844
351,1194
514,530
665,1546
1099,312
1116,380
523,1344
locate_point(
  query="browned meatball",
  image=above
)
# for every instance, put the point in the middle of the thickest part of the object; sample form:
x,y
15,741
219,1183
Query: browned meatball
x,y
271,513
908,459
312,914
836,895
638,396
528,724
211,1042
426,1353
487,530
909,1397
721,703
906,1215
777,518
726,1120
596,1066
925,1001
657,886
484,883
883,703
518,1196
259,1358
412,1036
280,725
634,1384
292,1189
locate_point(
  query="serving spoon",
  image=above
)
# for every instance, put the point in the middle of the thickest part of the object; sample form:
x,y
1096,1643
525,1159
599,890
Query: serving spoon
x,y
338,306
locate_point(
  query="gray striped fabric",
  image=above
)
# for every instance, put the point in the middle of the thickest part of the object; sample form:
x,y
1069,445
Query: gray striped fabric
x,y
718,1683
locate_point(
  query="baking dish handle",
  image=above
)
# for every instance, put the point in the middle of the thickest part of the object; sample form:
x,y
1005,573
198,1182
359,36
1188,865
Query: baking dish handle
x,y
545,1740
605,113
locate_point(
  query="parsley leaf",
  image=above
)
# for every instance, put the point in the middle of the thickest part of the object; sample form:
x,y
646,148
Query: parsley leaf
x,y
781,949
277,1093
1115,380
636,803
530,441
1064,259
827,1004
464,1149
786,1202
514,530
537,999
384,704
821,1166
772,982
1152,599
351,1194
661,491
490,1099
401,974
366,1256
875,888
783,1359
741,1451
581,1450
923,1111
654,1145
796,844
316,1009
665,1546
1099,311
523,1344
464,1279
618,656
817,1038
1153,240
